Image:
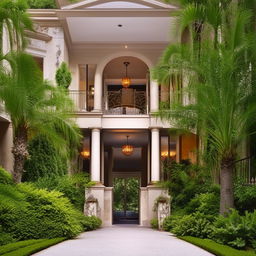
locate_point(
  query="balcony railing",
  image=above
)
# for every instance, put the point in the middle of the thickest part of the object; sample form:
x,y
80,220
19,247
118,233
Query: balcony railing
x,y
125,102
83,100
245,170
121,102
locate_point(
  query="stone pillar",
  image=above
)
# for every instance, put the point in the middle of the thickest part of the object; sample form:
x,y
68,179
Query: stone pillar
x,y
95,155
154,96
155,155
97,93
6,144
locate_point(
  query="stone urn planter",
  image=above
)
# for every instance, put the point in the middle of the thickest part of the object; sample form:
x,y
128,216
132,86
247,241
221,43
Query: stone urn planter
x,y
91,206
162,206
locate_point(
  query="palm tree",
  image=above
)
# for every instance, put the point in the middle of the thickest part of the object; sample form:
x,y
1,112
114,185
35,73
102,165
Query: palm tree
x,y
223,105
35,107
15,20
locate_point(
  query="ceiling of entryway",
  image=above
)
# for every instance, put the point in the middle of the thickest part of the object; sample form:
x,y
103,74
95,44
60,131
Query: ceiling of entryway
x,y
118,138
115,69
120,29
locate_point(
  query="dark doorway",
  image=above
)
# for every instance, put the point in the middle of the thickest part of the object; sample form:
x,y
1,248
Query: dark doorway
x,y
126,201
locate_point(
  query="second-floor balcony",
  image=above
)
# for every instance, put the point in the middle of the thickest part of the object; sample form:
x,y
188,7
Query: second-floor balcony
x,y
125,102
117,102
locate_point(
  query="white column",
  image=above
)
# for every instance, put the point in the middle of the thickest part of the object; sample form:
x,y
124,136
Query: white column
x,y
155,155
154,96
95,155
97,92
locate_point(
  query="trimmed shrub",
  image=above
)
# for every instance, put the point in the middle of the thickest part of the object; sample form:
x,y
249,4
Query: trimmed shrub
x,y
63,76
37,214
154,223
91,223
235,230
27,212
72,187
196,224
207,203
43,160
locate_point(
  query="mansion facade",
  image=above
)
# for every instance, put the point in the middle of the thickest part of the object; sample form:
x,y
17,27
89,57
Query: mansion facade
x,y
111,48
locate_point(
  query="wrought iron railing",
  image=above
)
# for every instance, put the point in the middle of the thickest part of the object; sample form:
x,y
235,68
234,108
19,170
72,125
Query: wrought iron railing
x,y
245,170
121,102
125,102
83,100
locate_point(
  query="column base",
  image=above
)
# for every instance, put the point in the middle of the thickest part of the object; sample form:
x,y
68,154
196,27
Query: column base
x,y
148,196
104,196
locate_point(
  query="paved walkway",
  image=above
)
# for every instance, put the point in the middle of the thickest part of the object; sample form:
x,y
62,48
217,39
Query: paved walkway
x,y
124,240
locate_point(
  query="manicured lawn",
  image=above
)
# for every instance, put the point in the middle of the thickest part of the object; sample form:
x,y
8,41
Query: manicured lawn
x,y
26,248
215,248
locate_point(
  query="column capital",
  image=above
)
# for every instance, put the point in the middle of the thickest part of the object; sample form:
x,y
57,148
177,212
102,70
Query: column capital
x,y
155,128
95,129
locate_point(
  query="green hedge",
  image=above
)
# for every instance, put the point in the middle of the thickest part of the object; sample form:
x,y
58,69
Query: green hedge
x,y
72,187
27,212
43,161
15,246
215,248
33,248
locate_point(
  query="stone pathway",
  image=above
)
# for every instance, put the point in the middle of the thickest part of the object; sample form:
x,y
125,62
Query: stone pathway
x,y
124,240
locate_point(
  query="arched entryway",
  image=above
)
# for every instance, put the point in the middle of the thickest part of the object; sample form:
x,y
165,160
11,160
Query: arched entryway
x,y
132,99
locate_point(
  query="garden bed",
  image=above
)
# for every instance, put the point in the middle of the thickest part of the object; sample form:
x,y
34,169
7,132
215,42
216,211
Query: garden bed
x,y
26,248
215,248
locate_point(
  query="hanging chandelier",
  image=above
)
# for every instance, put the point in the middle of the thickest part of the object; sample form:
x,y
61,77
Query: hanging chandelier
x,y
126,81
127,149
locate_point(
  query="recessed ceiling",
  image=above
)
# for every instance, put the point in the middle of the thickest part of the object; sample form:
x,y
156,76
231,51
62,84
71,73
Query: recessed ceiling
x,y
118,139
133,29
115,69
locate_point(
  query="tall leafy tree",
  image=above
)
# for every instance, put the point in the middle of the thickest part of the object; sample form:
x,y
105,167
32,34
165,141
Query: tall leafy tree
x,y
35,107
222,100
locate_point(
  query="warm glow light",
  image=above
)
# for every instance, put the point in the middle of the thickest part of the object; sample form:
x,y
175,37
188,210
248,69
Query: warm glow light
x,y
126,82
172,153
127,149
165,154
85,154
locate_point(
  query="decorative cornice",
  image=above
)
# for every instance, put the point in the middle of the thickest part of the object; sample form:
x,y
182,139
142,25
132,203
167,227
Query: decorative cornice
x,y
38,35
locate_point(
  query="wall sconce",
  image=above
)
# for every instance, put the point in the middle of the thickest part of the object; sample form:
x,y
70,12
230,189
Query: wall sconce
x,y
85,154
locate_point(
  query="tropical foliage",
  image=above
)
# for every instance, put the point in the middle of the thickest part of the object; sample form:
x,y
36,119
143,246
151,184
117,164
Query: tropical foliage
x,y
219,93
35,107
14,20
